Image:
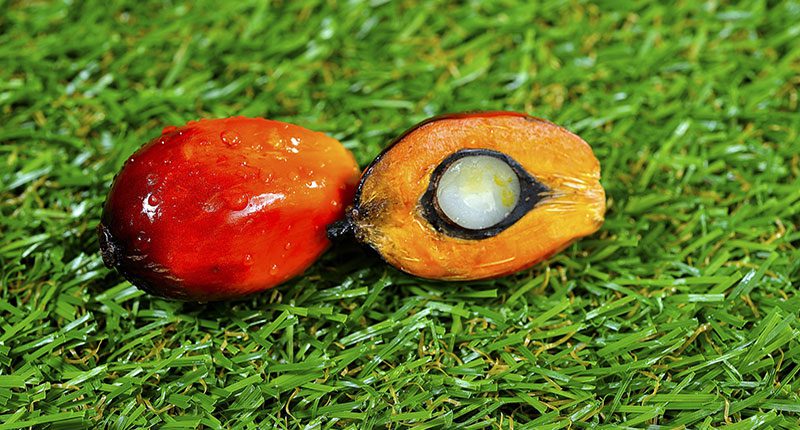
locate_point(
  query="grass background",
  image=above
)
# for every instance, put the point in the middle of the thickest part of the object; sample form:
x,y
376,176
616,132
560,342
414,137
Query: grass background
x,y
681,312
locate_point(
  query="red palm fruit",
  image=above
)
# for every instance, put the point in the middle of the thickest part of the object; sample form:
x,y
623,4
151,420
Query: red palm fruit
x,y
222,208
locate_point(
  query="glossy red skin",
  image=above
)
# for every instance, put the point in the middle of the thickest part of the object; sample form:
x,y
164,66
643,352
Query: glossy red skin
x,y
219,209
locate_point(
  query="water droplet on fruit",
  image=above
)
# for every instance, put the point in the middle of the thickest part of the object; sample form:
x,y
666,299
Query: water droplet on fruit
x,y
236,202
142,241
288,246
273,270
204,142
148,208
295,141
152,180
334,203
230,138
248,260
168,129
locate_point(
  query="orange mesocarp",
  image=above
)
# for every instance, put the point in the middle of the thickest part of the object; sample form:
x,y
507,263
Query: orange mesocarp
x,y
475,196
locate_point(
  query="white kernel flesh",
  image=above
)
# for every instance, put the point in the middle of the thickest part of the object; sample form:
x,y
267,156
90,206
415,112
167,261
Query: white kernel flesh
x,y
478,191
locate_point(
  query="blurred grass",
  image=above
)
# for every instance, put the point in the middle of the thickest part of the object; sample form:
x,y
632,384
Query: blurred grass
x,y
681,312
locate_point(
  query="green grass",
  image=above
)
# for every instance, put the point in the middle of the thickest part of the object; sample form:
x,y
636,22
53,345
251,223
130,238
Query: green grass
x,y
681,311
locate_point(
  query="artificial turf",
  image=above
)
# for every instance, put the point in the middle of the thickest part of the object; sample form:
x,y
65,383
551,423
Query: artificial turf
x,y
682,311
